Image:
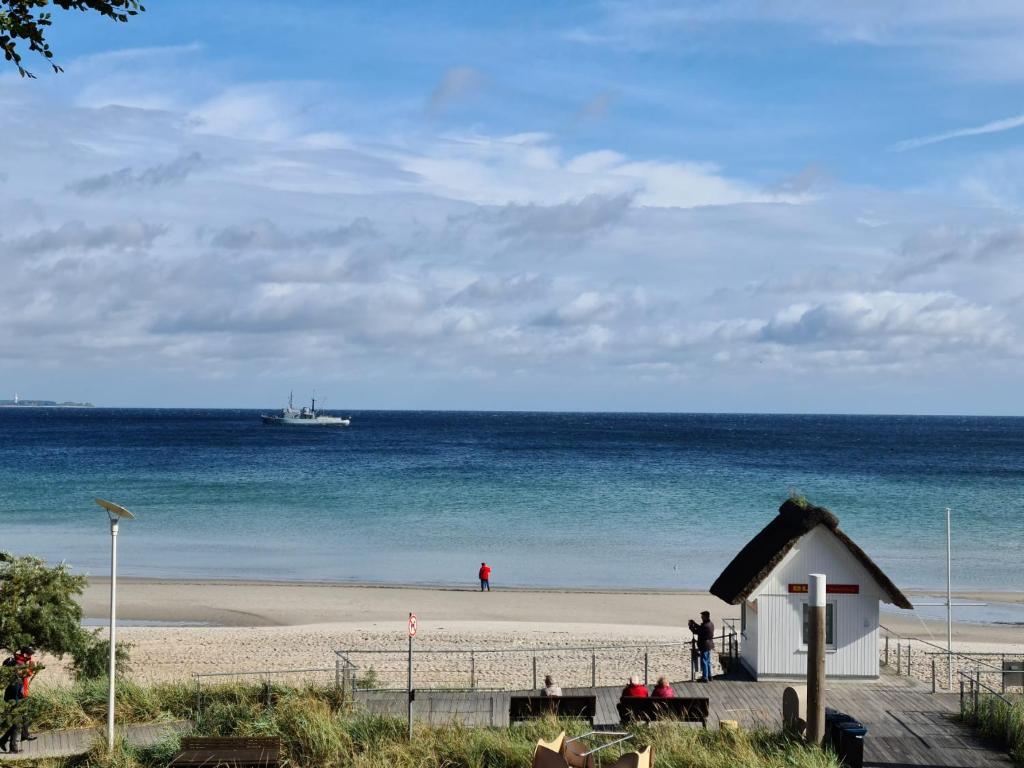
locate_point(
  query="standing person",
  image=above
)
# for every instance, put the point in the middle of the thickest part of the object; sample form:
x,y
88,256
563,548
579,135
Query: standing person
x,y
485,577
12,693
23,658
705,632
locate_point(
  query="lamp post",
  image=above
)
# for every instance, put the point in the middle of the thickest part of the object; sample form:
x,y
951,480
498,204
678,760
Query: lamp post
x,y
115,512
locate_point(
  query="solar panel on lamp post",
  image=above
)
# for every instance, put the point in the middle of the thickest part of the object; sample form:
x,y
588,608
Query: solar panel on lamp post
x,y
115,512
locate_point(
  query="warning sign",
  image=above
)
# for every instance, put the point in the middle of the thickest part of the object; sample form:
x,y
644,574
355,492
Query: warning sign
x,y
412,625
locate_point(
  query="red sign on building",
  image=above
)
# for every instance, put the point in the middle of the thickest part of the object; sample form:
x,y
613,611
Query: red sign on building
x,y
831,589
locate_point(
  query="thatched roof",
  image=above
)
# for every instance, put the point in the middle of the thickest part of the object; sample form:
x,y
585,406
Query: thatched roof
x,y
766,550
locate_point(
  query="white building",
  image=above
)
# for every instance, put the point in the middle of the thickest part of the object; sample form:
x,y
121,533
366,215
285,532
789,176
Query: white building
x,y
768,580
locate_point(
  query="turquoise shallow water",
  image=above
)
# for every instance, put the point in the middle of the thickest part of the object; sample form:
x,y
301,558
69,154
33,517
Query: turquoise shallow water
x,y
614,500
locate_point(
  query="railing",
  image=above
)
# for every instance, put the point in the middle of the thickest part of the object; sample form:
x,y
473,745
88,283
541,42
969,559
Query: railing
x,y
939,665
525,668
269,680
992,711
467,683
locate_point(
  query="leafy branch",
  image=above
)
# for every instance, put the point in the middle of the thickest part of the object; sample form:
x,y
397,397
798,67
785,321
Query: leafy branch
x,y
26,23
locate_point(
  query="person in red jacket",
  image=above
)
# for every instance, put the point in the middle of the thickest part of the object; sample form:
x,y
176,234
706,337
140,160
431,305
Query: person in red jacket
x,y
634,689
663,690
485,577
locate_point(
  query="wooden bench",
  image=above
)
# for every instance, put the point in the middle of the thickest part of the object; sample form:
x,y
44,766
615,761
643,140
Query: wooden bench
x,y
234,752
644,709
529,707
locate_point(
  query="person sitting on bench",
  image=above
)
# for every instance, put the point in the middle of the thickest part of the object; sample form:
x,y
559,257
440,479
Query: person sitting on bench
x,y
550,689
634,689
662,690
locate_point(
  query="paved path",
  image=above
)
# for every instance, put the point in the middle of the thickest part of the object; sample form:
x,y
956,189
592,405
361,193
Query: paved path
x,y
77,741
907,724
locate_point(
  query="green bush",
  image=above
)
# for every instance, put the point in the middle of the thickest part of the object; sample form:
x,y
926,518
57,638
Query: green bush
x,y
92,658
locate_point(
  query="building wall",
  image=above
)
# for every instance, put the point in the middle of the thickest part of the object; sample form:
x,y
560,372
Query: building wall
x,y
779,649
748,642
780,652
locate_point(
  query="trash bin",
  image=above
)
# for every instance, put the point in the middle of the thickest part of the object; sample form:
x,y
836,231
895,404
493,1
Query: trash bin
x,y
1013,674
845,737
851,744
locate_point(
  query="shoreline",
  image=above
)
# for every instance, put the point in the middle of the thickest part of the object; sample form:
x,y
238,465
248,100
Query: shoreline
x,y
212,603
1011,596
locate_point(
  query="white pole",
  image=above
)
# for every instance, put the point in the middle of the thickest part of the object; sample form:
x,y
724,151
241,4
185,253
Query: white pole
x,y
113,631
409,687
949,602
816,658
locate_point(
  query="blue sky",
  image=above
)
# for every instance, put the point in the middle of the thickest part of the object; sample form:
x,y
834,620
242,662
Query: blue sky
x,y
745,206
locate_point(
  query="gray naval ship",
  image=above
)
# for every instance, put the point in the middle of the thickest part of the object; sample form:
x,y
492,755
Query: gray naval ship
x,y
306,417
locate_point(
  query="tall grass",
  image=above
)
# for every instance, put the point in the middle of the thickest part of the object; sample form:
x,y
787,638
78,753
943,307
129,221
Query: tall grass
x,y
1001,721
84,704
319,730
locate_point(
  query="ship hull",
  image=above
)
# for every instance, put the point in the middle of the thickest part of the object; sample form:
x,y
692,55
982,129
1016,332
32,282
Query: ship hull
x,y
319,421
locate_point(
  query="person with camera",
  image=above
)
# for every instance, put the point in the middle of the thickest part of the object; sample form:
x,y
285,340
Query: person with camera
x,y
704,643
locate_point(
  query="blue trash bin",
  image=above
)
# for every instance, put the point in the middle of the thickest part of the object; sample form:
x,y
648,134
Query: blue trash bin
x,y
844,735
851,743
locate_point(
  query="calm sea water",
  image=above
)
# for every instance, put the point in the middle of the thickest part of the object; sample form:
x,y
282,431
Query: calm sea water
x,y
618,500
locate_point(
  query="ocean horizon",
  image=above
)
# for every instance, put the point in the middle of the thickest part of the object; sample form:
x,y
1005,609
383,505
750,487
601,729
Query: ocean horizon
x,y
549,499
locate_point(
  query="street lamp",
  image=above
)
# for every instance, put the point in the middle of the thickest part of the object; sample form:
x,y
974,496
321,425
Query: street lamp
x,y
115,512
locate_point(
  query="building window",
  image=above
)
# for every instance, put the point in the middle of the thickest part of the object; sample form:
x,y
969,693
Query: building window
x,y
743,618
830,636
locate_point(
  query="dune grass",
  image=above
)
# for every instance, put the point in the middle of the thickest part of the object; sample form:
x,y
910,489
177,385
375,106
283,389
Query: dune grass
x,y
318,729
1001,721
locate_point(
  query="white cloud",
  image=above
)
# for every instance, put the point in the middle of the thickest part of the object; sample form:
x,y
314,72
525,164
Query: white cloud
x,y
887,318
964,39
240,235
996,126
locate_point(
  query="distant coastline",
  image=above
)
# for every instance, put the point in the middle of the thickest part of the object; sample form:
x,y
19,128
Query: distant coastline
x,y
21,403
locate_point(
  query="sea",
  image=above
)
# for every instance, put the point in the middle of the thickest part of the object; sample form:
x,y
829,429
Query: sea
x,y
608,500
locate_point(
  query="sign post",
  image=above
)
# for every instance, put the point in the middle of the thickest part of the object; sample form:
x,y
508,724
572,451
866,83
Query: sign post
x,y
411,692
816,659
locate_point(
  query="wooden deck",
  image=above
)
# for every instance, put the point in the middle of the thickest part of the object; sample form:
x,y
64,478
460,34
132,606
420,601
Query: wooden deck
x,y
77,741
907,724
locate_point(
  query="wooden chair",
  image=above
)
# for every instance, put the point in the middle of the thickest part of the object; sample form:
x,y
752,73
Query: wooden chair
x,y
643,759
556,745
577,755
547,758
230,752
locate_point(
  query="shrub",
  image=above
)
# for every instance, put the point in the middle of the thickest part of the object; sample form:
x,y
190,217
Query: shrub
x,y
92,658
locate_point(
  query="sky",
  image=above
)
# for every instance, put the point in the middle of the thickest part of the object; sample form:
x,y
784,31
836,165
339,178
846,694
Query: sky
x,y
626,206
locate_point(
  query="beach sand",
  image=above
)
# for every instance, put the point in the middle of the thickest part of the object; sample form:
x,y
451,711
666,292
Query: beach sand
x,y
249,626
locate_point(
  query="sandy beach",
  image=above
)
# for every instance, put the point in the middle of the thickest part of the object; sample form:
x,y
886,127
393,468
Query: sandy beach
x,y
234,626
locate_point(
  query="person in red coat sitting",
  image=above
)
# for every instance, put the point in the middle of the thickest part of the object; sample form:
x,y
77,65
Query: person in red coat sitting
x,y
635,688
663,690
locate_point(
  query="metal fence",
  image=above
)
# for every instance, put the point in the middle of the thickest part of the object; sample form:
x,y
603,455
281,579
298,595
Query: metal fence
x,y
994,712
932,663
270,682
470,685
512,669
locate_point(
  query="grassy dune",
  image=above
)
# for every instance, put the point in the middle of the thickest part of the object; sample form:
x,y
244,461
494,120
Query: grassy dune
x,y
318,729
